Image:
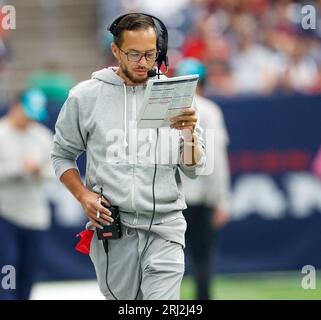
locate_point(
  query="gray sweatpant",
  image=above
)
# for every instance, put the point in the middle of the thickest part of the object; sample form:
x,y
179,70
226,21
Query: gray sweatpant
x,y
162,266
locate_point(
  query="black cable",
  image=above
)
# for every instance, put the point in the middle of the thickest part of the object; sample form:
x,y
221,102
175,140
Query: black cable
x,y
105,242
151,221
153,215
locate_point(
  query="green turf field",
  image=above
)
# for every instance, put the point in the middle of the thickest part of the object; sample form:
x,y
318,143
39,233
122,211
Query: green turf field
x,y
258,286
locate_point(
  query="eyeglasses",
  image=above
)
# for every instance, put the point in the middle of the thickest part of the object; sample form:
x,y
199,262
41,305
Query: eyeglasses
x,y
135,56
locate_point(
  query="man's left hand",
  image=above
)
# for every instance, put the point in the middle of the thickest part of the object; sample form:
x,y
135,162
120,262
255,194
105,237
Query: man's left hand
x,y
185,120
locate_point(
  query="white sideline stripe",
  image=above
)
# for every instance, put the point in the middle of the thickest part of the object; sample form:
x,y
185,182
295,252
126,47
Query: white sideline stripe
x,y
67,290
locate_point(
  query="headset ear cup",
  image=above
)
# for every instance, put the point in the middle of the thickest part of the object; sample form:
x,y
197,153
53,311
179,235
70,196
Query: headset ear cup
x,y
162,39
159,48
162,58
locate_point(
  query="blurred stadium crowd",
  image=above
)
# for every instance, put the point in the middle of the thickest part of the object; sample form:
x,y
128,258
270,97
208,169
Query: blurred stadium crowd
x,y
249,46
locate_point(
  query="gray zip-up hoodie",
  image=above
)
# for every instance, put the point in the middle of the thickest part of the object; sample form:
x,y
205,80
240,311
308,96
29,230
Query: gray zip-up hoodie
x,y
99,117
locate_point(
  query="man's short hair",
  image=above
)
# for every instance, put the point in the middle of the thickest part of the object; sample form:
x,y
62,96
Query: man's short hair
x,y
134,21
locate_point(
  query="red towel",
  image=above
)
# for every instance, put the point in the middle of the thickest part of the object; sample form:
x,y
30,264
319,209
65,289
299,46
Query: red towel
x,y
83,245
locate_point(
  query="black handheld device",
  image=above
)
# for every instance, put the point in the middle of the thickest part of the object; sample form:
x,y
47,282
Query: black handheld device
x,y
112,230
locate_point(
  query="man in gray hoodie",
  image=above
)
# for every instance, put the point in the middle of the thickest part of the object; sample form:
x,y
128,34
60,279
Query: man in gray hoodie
x,y
99,117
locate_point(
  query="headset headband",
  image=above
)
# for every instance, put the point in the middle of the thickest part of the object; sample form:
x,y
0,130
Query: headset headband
x,y
162,36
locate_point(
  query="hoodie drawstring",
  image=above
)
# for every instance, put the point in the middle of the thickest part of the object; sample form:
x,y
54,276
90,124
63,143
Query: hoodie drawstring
x,y
125,118
125,143
150,136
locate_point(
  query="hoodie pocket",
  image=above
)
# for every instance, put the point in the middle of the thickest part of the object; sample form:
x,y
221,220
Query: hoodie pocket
x,y
114,178
166,190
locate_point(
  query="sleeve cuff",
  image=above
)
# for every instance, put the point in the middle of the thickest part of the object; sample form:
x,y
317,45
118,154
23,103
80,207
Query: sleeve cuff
x,y
66,166
199,164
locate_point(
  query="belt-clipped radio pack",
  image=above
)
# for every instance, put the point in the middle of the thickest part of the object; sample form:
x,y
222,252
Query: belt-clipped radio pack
x,y
113,229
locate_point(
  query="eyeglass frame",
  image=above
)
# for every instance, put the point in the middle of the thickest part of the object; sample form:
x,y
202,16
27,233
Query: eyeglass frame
x,y
141,55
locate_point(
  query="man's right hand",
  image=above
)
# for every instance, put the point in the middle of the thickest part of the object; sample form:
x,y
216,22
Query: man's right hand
x,y
90,203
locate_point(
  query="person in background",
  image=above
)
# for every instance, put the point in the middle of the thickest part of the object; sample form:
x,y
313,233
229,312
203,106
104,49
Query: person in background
x,y
300,69
25,147
52,81
207,197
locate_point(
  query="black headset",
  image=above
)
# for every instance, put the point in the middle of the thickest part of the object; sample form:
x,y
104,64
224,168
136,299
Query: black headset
x,y
162,40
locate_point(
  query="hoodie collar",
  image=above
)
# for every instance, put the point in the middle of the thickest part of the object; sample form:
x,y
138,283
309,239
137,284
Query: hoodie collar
x,y
109,75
